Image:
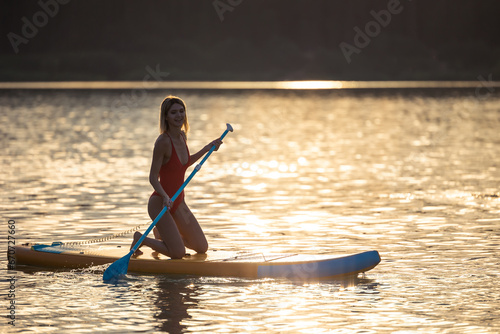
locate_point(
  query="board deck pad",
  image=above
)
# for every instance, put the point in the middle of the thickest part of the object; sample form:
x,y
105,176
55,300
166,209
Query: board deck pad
x,y
213,263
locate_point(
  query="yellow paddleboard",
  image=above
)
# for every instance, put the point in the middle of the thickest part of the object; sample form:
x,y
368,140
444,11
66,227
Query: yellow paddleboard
x,y
213,263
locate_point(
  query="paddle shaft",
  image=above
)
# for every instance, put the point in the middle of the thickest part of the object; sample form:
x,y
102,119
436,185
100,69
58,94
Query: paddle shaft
x,y
165,209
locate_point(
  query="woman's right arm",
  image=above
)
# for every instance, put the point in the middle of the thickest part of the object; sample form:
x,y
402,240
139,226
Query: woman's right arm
x,y
161,150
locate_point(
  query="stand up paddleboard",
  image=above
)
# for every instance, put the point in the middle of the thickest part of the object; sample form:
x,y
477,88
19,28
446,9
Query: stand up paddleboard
x,y
214,263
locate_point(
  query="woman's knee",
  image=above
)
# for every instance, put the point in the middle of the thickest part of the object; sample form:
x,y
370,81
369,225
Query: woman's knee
x,y
200,246
190,229
177,252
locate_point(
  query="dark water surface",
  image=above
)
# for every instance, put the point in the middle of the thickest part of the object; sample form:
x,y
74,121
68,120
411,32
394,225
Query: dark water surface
x,y
412,174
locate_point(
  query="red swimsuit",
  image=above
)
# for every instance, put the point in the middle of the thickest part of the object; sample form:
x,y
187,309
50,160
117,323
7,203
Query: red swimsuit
x,y
172,177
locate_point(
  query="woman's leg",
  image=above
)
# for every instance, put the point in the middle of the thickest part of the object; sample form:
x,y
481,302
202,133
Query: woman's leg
x,y
190,229
171,243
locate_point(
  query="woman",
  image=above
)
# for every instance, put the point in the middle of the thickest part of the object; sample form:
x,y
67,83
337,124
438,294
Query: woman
x,y
178,228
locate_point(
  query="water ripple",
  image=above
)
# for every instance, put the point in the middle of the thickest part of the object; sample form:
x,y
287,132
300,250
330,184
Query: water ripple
x,y
414,176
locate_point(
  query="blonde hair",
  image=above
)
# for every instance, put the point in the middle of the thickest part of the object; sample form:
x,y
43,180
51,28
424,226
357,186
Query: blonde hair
x,y
167,103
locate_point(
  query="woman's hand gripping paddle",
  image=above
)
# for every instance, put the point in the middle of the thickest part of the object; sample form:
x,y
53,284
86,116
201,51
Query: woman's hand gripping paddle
x,y
120,266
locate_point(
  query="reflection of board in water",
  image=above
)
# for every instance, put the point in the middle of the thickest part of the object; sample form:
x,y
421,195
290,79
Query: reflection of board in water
x,y
214,263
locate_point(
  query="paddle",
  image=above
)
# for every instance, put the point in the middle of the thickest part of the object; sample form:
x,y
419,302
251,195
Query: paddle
x,y
120,266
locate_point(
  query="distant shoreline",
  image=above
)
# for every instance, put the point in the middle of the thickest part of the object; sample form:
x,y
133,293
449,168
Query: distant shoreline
x,y
286,85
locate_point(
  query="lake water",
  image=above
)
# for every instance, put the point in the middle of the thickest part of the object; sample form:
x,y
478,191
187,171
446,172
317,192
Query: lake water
x,y
414,174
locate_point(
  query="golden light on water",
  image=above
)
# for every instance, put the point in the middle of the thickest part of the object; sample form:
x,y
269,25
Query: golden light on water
x,y
268,169
315,84
415,183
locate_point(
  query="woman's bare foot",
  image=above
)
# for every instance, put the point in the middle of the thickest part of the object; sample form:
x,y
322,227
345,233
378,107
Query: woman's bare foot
x,y
137,236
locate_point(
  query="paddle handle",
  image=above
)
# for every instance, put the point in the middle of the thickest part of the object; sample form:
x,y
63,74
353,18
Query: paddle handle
x,y
165,209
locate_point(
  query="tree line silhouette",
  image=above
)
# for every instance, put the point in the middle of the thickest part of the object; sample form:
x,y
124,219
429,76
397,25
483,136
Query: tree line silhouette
x,y
250,40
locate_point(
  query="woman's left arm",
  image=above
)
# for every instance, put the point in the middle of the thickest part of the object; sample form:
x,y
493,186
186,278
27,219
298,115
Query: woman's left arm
x,y
195,157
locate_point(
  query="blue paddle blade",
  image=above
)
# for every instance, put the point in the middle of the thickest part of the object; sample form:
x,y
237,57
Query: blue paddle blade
x,y
117,269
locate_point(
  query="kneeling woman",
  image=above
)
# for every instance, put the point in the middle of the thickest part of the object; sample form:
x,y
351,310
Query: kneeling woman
x,y
178,227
